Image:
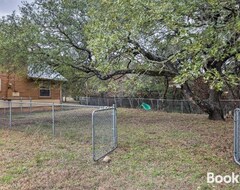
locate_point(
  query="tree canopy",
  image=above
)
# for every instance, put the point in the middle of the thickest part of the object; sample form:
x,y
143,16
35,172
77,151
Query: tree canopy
x,y
182,40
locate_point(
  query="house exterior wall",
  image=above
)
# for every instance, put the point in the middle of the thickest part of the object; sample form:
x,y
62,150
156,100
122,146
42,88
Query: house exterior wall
x,y
16,87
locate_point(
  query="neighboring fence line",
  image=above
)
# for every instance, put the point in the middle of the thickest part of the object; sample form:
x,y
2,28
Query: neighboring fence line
x,y
168,105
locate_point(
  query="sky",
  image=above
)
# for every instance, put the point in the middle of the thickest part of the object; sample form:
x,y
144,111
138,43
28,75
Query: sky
x,y
8,6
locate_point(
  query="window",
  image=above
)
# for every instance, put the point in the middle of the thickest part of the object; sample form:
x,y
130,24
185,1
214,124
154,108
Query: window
x,y
45,89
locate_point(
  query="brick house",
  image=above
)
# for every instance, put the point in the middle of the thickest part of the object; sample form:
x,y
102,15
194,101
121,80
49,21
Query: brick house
x,y
40,86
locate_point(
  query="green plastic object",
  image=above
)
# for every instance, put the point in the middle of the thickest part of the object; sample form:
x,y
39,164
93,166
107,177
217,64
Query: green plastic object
x,y
145,106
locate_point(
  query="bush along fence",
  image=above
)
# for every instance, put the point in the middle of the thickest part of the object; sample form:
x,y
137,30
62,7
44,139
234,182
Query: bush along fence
x,y
81,123
168,105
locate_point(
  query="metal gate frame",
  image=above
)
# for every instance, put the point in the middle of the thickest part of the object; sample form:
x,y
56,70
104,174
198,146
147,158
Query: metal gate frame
x,y
237,135
113,132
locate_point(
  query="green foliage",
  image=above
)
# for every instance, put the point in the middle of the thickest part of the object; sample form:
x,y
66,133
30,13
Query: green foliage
x,y
181,39
12,46
197,33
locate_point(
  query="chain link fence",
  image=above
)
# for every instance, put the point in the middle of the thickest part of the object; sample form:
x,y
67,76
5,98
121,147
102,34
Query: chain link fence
x,y
104,142
237,136
168,105
181,106
68,121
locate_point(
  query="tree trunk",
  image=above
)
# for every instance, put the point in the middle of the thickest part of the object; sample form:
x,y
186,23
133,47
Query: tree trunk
x,y
215,110
166,83
216,115
212,107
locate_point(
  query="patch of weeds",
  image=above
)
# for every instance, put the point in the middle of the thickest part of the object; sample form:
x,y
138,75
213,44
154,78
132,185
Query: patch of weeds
x,y
71,135
41,158
128,155
197,175
18,170
61,146
157,173
7,178
12,174
1,143
149,185
205,187
69,156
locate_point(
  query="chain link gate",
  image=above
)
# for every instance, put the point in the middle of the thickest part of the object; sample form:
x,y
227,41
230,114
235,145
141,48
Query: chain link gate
x,y
237,135
104,132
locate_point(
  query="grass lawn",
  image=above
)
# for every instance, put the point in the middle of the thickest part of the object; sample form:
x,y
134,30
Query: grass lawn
x,y
156,151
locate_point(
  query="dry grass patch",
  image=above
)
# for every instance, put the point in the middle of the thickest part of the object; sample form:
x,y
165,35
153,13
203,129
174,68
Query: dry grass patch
x,y
156,151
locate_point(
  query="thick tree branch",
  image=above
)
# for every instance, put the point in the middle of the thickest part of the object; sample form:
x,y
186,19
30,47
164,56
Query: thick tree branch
x,y
74,45
102,76
150,56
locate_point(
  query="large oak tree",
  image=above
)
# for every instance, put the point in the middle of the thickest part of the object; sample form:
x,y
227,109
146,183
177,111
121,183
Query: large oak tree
x,y
182,40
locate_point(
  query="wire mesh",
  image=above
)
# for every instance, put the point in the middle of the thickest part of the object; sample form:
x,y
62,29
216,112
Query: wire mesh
x,y
68,121
237,136
5,114
73,122
167,105
31,117
104,132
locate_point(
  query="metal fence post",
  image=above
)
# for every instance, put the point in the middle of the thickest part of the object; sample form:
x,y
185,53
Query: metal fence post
x,y
53,120
21,104
115,102
182,106
10,113
236,136
114,126
93,136
30,106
